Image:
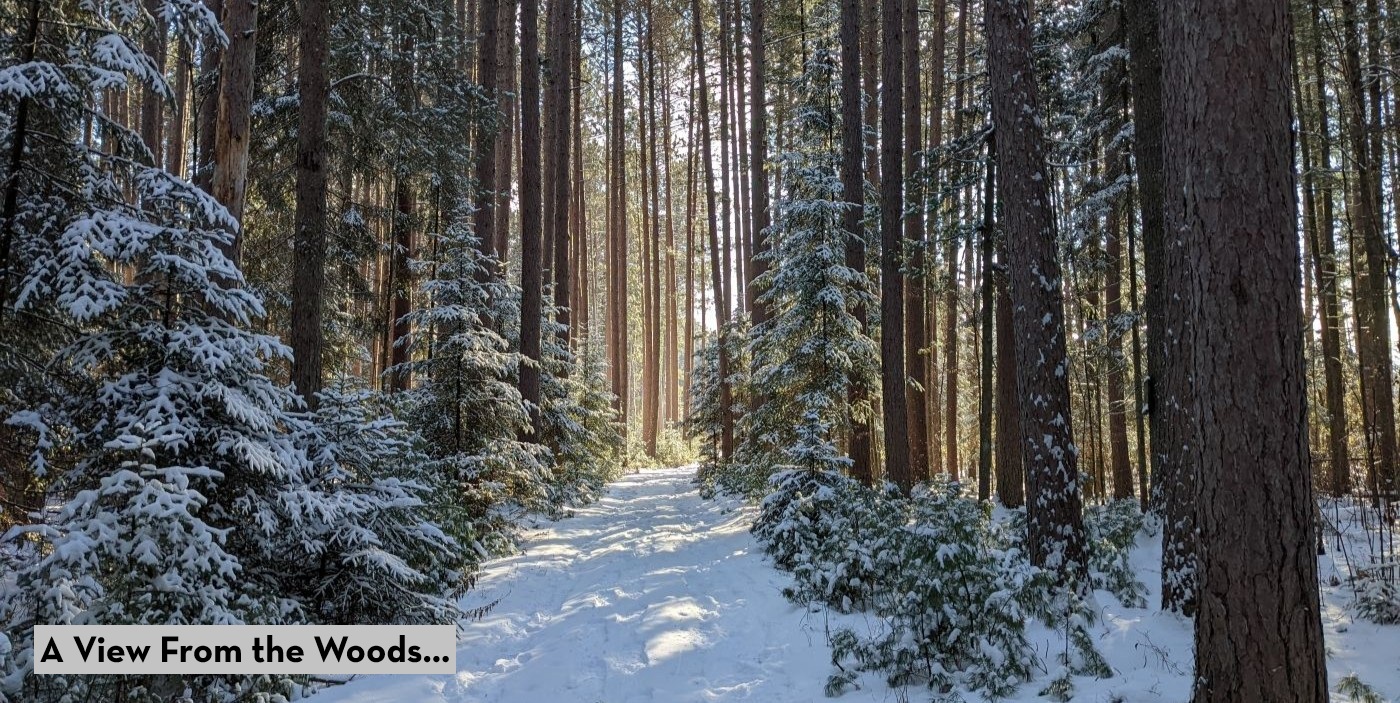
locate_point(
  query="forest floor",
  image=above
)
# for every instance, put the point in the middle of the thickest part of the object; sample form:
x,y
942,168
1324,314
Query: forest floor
x,y
655,594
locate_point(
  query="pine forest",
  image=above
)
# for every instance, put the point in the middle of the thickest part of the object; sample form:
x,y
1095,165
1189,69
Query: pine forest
x,y
709,350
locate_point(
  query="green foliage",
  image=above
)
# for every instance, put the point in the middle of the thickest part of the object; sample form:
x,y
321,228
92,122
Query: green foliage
x,y
1112,531
1357,690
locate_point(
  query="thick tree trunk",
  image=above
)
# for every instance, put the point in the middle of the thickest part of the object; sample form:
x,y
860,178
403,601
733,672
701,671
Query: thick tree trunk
x,y
309,238
853,191
1258,629
1056,528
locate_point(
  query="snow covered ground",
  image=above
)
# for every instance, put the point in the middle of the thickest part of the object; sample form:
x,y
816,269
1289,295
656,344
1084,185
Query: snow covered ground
x,y
653,594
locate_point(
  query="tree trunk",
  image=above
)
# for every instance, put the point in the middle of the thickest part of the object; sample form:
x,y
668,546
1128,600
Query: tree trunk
x,y
1173,479
309,240
531,275
559,26
897,467
721,311
486,133
617,265
233,133
853,191
1258,629
916,405
1055,526
1011,471
984,408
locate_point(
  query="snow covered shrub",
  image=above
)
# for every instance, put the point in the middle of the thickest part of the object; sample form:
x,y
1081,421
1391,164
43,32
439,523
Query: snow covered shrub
x,y
376,556
578,422
1112,531
812,348
466,404
704,421
1377,599
950,617
177,482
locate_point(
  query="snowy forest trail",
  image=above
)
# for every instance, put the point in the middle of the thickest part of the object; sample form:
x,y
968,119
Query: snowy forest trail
x,y
650,594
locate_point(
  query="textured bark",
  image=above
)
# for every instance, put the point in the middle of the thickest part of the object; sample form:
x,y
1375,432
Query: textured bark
x,y
559,25
897,467
916,404
1055,525
233,133
1172,477
207,106
486,134
853,191
1258,629
758,153
1011,470
153,44
531,275
506,141
309,237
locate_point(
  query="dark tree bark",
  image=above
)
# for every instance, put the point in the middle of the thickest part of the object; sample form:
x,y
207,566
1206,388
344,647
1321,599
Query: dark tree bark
x,y
559,25
207,106
985,382
916,404
233,133
758,153
897,467
531,275
152,122
486,134
309,239
1011,471
853,191
1173,478
1055,526
507,142
1258,629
